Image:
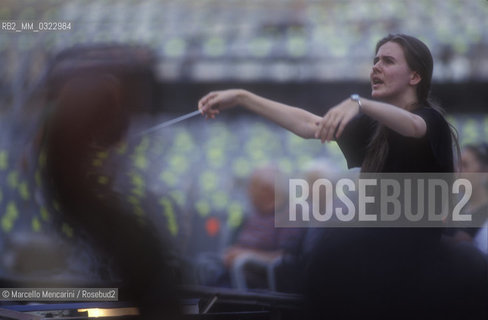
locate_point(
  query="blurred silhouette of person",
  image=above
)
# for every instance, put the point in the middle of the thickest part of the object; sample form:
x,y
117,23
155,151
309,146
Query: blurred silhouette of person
x,y
319,169
88,117
291,271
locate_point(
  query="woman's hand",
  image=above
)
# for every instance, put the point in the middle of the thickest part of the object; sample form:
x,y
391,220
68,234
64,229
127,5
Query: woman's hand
x,y
335,120
211,104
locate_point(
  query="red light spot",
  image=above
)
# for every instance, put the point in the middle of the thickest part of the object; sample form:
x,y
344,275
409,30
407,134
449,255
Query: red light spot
x,y
212,226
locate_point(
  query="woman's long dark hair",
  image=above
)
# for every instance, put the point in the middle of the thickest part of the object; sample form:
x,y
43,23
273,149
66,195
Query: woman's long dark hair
x,y
419,59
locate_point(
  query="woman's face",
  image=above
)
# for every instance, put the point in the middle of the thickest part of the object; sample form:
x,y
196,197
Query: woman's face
x,y
390,76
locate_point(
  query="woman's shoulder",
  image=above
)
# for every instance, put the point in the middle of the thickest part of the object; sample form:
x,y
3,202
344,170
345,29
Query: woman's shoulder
x,y
432,116
428,111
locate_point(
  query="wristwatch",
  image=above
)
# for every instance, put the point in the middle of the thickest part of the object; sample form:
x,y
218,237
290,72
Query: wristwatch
x,y
357,98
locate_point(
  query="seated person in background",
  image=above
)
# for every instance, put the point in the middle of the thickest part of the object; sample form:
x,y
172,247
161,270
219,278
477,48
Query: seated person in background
x,y
259,241
319,169
474,159
290,272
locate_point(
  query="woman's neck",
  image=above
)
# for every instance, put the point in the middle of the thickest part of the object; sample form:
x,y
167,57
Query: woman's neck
x,y
406,100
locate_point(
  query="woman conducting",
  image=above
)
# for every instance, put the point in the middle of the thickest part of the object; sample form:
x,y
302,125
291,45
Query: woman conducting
x,y
380,271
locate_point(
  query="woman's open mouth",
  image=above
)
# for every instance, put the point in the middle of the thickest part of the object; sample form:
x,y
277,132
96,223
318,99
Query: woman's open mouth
x,y
376,82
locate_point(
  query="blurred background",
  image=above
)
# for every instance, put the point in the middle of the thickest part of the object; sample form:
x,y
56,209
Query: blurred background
x,y
192,176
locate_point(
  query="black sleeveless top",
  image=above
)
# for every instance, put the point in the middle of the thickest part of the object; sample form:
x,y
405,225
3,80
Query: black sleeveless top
x,y
430,153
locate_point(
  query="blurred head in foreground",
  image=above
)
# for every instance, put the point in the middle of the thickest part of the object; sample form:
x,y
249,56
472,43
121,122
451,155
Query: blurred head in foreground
x,y
89,117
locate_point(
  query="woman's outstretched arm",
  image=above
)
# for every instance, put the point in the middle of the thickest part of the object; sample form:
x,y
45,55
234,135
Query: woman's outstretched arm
x,y
296,120
308,125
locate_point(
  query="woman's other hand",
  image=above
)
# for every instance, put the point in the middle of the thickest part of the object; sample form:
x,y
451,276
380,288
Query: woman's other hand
x,y
335,120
